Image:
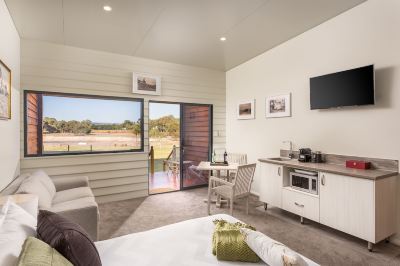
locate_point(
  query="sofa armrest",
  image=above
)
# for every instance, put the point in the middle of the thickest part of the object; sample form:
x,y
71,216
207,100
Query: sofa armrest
x,y
64,183
83,211
87,217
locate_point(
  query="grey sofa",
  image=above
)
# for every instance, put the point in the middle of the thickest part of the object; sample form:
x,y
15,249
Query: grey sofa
x,y
73,199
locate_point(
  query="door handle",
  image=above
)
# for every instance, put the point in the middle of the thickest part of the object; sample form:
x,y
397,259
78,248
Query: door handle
x,y
279,171
299,205
323,180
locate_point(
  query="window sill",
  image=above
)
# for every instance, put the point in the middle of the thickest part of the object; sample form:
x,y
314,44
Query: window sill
x,y
83,155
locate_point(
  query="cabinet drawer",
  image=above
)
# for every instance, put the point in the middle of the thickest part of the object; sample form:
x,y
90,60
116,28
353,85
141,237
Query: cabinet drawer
x,y
300,203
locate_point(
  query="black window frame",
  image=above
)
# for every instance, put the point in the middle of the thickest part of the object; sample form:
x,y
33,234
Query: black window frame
x,y
76,95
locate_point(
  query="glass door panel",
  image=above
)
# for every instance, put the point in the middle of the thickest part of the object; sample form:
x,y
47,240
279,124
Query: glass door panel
x,y
195,143
164,156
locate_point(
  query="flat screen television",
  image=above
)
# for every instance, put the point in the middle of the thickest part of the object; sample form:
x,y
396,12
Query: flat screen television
x,y
346,88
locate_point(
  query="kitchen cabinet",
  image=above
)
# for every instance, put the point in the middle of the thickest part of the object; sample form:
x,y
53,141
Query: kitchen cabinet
x,y
362,207
347,204
271,184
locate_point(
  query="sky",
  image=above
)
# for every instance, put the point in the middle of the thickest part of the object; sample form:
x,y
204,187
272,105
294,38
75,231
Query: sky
x,y
96,110
157,110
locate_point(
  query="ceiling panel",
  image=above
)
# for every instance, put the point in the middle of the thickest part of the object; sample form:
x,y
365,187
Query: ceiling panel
x,y
38,19
178,31
87,25
188,31
277,22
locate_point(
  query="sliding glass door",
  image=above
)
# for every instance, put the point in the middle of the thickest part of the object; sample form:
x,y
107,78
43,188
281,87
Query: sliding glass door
x,y
179,138
196,143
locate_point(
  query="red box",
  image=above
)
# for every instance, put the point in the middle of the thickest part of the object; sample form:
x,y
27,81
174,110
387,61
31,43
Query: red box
x,y
358,164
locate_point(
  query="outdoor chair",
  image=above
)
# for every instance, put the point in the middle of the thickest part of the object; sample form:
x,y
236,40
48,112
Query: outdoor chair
x,y
237,189
171,164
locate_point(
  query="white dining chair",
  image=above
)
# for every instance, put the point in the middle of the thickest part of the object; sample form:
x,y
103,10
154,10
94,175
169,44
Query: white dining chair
x,y
237,189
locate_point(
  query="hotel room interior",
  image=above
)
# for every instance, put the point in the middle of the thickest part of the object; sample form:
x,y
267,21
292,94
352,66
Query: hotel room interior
x,y
199,132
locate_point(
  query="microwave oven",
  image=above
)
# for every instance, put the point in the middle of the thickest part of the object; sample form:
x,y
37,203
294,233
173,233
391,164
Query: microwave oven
x,y
304,181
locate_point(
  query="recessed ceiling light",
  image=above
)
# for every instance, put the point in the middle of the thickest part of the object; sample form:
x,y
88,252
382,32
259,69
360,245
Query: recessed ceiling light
x,y
107,8
222,39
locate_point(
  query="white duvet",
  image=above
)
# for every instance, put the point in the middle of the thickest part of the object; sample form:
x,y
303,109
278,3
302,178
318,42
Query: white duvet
x,y
185,243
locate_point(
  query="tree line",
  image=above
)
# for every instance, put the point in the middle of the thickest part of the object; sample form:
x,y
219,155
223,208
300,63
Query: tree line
x,y
164,126
158,128
52,125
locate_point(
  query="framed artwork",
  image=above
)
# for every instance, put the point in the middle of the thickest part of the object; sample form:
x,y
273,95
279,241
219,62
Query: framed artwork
x,y
5,91
278,106
146,84
245,109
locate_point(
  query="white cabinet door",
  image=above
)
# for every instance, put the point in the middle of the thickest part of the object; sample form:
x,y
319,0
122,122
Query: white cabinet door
x,y
347,204
271,184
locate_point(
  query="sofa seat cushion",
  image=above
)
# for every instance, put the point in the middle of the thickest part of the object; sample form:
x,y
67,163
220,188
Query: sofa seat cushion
x,y
73,204
72,194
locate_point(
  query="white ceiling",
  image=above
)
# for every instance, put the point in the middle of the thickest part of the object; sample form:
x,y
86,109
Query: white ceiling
x,y
179,31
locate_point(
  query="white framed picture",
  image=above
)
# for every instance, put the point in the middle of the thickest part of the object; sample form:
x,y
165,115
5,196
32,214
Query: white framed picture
x,y
146,84
245,109
278,106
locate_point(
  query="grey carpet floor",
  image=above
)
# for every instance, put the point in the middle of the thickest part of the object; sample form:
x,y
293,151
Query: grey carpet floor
x,y
317,242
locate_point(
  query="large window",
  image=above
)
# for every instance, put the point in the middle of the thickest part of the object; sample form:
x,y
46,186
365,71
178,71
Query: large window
x,y
57,124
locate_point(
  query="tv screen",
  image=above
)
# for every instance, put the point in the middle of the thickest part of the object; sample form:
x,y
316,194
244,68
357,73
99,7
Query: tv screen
x,y
346,88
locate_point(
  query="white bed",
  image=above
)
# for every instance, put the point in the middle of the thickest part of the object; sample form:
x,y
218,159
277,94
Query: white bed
x,y
185,243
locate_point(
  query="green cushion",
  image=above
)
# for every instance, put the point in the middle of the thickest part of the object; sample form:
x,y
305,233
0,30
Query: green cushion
x,y
229,243
37,253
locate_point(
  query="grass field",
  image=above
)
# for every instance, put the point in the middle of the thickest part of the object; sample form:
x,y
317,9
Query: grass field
x,y
92,142
105,141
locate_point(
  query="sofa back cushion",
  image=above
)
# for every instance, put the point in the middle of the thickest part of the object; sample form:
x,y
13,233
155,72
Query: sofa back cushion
x,y
68,238
46,181
14,185
34,185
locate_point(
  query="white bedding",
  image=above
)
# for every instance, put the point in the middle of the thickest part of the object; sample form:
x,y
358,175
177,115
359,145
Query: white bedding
x,y
185,243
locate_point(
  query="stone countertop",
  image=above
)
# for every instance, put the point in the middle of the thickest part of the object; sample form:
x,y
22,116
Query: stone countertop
x,y
334,169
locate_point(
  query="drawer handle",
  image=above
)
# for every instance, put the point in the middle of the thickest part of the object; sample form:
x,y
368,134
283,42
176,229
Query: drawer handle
x,y
299,205
279,171
323,180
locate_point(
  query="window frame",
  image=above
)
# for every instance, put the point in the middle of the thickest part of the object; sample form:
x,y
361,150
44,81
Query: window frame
x,y
75,95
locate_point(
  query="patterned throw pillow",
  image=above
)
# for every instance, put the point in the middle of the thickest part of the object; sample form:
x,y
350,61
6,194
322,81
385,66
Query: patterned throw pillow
x,y
270,251
229,243
36,252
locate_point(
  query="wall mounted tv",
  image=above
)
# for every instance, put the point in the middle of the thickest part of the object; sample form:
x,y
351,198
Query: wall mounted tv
x,y
346,88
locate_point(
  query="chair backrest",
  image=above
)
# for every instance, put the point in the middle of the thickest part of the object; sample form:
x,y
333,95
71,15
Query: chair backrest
x,y
244,178
174,154
240,158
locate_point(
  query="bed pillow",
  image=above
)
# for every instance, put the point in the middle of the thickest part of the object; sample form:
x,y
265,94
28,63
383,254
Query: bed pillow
x,y
229,244
34,185
270,251
3,210
37,252
17,225
68,238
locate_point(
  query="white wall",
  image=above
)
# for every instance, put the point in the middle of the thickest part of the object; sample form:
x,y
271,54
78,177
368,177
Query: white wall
x,y
366,34
58,68
9,129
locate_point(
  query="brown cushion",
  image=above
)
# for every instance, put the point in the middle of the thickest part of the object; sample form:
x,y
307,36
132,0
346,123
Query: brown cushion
x,y
68,238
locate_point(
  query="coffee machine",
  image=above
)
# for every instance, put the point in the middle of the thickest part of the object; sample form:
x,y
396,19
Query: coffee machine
x,y
305,155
